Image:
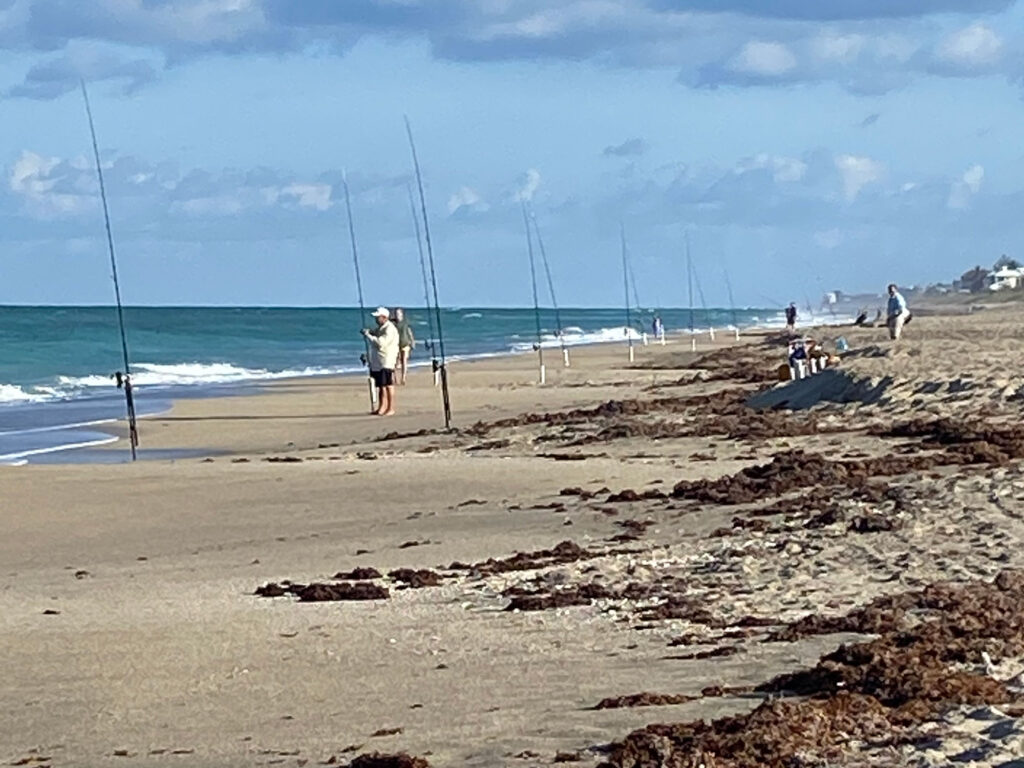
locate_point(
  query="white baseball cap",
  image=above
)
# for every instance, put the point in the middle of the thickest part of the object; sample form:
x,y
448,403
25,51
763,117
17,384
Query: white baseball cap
x,y
382,312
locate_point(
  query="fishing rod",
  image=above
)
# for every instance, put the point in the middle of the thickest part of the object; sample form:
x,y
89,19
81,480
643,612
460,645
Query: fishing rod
x,y
625,283
124,380
426,287
359,290
536,302
704,305
551,290
442,364
732,304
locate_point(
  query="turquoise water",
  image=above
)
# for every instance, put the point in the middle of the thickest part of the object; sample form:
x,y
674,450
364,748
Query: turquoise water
x,y
56,362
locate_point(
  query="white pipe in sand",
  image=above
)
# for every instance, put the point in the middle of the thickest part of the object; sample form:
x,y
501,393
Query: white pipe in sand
x,y
711,333
565,357
631,353
543,373
693,343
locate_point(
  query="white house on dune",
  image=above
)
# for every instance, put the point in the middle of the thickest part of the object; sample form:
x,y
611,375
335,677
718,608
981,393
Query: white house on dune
x,y
1006,279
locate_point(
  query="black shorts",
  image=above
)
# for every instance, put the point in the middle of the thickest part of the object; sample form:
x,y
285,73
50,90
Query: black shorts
x,y
385,377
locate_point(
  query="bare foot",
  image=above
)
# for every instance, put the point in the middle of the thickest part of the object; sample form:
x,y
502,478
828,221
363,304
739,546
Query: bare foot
x,y
388,413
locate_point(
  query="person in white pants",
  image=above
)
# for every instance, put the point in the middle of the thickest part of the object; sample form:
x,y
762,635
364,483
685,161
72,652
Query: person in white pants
x,y
897,311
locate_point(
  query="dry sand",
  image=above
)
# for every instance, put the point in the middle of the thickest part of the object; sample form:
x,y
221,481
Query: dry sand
x,y
130,634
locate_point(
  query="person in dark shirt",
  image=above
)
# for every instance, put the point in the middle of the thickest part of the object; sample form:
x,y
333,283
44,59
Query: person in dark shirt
x,y
791,317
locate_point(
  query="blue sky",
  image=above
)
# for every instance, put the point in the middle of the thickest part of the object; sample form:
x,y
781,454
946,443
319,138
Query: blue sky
x,y
808,146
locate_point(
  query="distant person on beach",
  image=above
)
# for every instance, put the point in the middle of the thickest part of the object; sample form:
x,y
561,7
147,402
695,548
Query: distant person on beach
x,y
791,317
406,342
383,357
896,311
657,327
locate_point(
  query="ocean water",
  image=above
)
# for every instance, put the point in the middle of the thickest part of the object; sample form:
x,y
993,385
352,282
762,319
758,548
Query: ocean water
x,y
56,390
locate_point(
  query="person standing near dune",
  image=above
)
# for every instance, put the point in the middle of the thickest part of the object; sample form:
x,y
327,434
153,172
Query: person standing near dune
x,y
897,312
383,357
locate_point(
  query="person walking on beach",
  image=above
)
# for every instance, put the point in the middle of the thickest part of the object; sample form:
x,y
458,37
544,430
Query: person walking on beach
x,y
897,312
791,317
658,328
383,357
406,342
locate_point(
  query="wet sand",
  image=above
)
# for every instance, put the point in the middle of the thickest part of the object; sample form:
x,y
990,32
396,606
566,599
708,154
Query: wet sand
x,y
695,535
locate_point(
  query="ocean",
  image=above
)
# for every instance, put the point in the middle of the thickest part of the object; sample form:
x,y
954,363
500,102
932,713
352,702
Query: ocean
x,y
56,363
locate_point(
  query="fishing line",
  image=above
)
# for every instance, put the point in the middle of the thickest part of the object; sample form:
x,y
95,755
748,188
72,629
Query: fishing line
x,y
359,289
551,288
536,300
442,365
423,271
124,381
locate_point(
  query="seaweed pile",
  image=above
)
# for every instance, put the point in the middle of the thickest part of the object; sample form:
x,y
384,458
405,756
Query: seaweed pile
x,y
924,662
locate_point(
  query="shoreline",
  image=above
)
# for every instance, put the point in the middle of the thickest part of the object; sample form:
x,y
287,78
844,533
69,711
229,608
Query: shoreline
x,y
174,396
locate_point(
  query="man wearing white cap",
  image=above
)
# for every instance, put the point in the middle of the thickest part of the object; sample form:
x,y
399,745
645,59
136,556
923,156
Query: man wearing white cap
x,y
383,357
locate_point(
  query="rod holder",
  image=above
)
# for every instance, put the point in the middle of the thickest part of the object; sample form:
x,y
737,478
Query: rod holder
x,y
711,333
693,343
631,354
736,331
565,357
643,337
543,373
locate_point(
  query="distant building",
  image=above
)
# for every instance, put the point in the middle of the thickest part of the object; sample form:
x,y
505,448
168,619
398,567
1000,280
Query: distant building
x,y
973,281
1005,279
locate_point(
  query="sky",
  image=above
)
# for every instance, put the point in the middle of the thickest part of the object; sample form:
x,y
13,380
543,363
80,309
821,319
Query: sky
x,y
795,146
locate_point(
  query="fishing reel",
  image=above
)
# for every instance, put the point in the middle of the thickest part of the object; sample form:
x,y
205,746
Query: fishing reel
x,y
363,360
435,365
123,380
536,347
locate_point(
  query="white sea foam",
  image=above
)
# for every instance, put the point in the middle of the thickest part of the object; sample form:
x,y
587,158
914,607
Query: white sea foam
x,y
12,393
164,375
576,336
21,457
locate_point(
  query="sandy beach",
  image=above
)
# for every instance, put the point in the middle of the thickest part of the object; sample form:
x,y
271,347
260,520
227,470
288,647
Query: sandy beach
x,y
683,557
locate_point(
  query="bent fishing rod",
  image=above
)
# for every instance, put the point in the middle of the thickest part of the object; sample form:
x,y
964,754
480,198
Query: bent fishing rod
x,y
442,363
430,343
551,290
536,302
124,379
359,291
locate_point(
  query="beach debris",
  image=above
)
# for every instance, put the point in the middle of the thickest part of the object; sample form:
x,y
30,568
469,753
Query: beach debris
x,y
358,574
416,578
316,593
385,732
561,554
645,699
283,459
380,760
556,598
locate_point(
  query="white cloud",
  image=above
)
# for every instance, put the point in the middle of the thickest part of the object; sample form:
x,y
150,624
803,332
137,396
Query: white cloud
x,y
839,48
466,198
317,196
528,186
857,173
974,46
763,59
784,169
35,179
962,190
